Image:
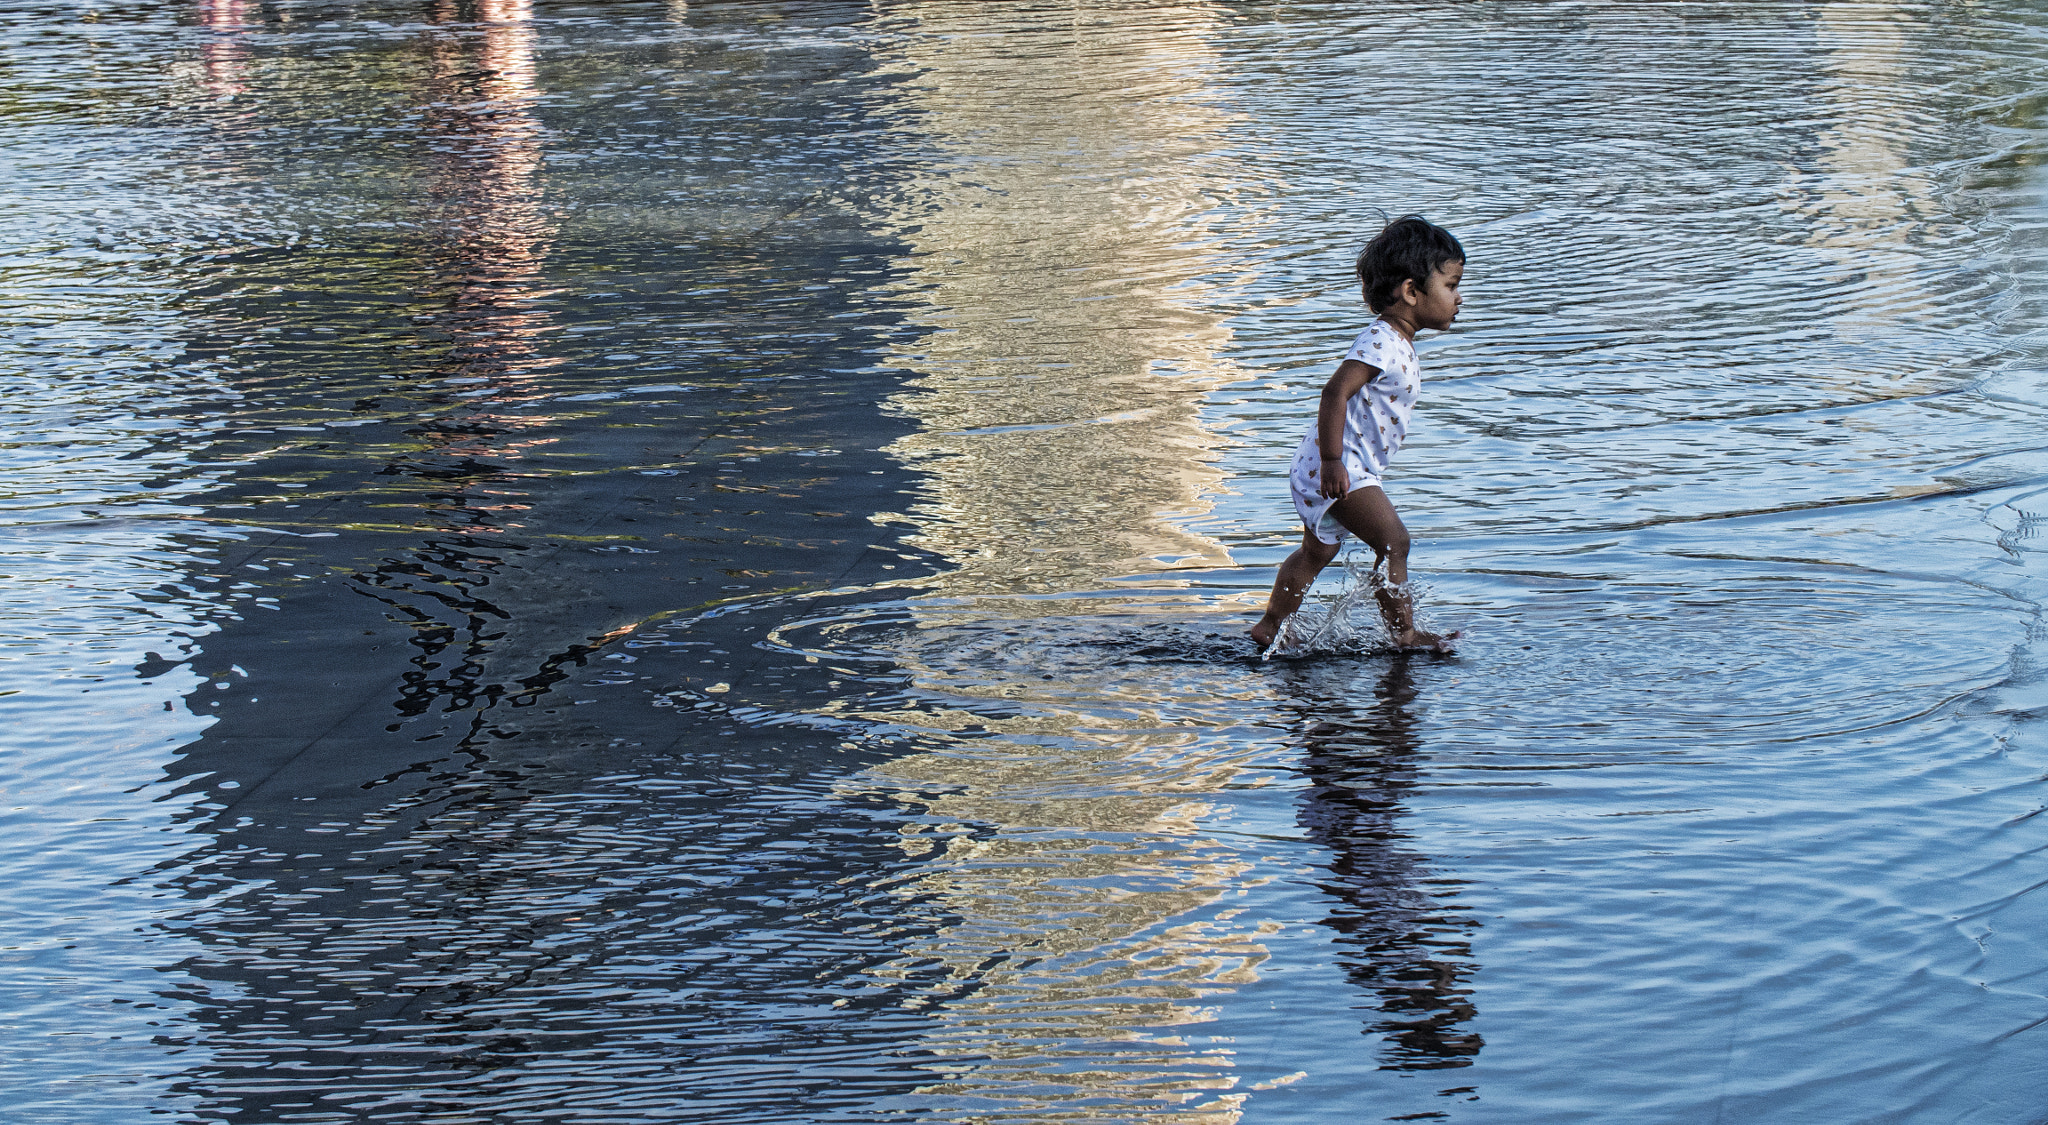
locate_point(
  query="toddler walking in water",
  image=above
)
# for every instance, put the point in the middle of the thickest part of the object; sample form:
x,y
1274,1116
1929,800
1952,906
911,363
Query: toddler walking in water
x,y
1410,273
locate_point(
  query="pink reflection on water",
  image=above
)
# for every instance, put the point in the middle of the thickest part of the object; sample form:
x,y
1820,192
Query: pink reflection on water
x,y
225,57
491,232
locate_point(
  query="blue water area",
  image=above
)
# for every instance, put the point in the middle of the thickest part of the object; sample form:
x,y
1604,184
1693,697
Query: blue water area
x,y
653,562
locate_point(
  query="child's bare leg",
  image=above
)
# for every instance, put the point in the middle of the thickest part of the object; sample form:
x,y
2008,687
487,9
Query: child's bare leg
x,y
1367,513
1296,575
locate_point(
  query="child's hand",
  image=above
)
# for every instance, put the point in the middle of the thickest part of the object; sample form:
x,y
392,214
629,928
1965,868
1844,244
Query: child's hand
x,y
1336,483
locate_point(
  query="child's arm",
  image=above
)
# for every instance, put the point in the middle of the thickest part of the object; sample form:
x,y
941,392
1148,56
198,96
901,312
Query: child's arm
x,y
1350,376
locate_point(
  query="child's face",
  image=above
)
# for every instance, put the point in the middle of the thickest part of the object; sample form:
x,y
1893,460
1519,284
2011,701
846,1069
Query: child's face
x,y
1436,304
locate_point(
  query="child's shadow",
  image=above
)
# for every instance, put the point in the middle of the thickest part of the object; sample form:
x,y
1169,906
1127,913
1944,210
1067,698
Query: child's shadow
x,y
1401,932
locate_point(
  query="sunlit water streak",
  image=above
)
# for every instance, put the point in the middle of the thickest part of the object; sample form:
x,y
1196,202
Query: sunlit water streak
x,y
476,664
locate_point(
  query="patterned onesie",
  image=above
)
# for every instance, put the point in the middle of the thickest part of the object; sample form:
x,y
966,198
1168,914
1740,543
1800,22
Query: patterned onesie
x,y
1375,421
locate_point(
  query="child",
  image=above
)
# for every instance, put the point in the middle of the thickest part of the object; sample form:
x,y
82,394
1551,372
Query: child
x,y
1410,273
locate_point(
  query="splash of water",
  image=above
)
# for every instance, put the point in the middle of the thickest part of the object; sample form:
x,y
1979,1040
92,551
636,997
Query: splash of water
x,y
1348,622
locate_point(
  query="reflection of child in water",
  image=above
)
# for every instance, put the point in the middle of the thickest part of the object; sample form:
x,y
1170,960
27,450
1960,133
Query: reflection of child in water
x,y
1410,273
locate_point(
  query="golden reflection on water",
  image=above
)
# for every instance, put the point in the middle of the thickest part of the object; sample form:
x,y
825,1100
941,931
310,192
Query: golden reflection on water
x,y
1055,242
1859,211
1055,248
1863,210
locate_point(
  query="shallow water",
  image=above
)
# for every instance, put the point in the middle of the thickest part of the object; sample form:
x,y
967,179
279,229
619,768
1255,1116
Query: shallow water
x,y
688,562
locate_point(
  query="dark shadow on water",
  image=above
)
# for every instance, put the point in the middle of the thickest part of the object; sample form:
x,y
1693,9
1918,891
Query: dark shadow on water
x,y
455,859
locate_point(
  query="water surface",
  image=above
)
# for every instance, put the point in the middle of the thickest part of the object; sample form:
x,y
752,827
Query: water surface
x,y
688,562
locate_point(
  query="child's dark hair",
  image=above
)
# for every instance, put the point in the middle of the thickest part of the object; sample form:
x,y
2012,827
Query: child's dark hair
x,y
1411,248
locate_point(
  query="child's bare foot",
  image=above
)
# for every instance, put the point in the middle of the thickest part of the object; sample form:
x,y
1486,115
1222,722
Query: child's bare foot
x,y
1263,633
1417,640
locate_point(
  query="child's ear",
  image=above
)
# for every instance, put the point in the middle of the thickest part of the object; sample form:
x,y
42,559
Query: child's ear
x,y
1409,293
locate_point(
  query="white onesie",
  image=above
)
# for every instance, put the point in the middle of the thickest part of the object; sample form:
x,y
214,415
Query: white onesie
x,y
1375,421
